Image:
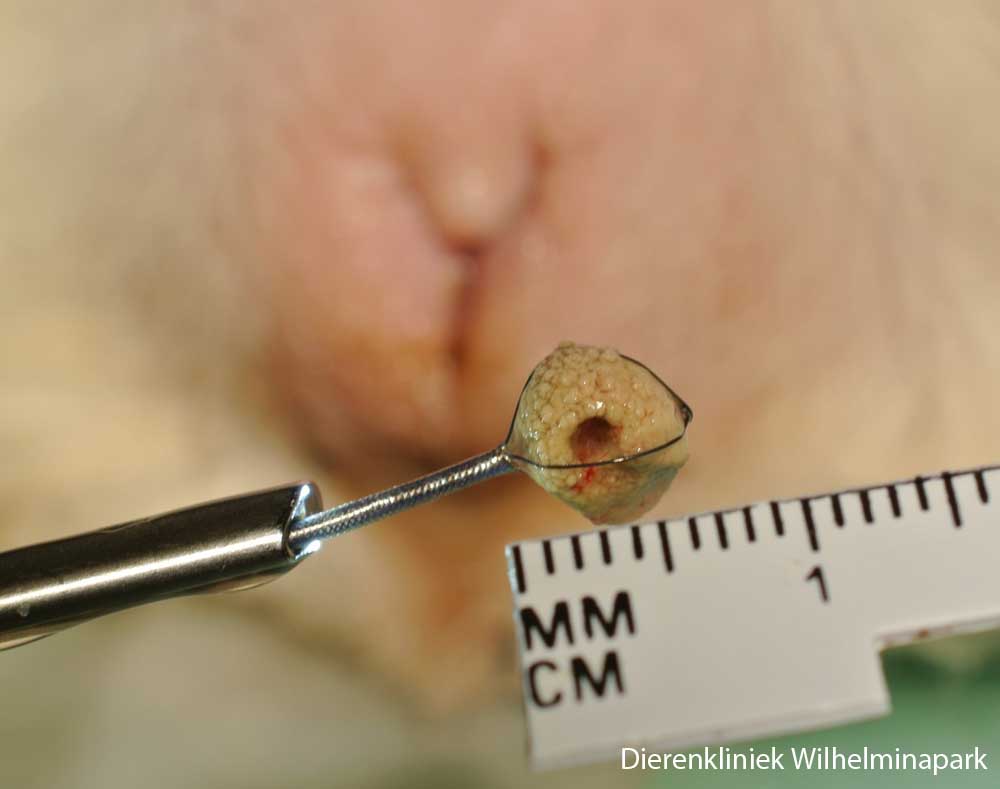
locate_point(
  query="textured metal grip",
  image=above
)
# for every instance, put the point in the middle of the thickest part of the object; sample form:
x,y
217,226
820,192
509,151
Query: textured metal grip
x,y
355,514
229,544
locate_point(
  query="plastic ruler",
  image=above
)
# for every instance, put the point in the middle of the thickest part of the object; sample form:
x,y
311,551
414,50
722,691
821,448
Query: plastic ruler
x,y
746,622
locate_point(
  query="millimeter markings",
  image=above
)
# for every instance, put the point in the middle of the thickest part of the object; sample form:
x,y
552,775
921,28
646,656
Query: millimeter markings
x,y
836,515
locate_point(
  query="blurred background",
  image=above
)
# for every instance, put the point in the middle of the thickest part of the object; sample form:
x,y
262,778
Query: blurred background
x,y
243,244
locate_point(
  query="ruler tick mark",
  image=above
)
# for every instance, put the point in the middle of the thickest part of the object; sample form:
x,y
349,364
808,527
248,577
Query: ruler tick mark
x,y
984,495
748,522
518,569
949,488
720,527
577,551
695,537
894,500
866,505
668,559
921,493
637,542
838,511
550,562
605,546
779,524
807,513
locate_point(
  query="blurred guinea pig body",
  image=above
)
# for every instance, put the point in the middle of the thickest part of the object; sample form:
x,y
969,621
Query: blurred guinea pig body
x,y
253,246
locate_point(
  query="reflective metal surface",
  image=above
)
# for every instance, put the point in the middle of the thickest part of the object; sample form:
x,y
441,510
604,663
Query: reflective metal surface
x,y
230,544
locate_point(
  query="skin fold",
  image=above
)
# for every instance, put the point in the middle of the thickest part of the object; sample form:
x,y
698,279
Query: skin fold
x,y
249,246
